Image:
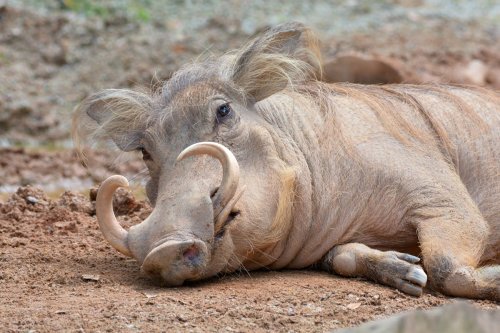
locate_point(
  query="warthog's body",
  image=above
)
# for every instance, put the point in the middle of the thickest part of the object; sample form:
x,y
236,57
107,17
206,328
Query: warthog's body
x,y
339,176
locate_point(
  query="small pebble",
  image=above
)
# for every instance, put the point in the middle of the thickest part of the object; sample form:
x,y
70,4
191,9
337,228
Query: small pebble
x,y
32,200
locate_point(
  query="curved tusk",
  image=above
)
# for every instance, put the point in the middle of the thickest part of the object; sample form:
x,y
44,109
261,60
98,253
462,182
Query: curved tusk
x,y
230,169
110,228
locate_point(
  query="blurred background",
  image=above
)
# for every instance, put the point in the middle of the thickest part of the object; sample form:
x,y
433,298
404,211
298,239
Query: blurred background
x,y
54,53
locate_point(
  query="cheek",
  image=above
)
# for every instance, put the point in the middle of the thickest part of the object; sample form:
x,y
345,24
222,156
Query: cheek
x,y
261,173
258,207
266,208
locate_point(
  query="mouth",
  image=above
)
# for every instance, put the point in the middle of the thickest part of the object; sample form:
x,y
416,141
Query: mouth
x,y
219,234
227,215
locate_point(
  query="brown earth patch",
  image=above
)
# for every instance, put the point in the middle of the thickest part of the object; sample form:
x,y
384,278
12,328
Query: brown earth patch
x,y
57,273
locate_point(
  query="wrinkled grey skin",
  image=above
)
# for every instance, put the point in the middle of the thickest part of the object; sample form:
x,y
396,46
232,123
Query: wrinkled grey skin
x,y
339,176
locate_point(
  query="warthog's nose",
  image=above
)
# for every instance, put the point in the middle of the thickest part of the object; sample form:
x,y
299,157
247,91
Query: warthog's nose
x,y
175,261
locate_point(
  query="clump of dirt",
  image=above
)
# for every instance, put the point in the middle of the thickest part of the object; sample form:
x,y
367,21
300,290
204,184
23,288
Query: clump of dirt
x,y
76,202
54,217
66,213
58,273
124,202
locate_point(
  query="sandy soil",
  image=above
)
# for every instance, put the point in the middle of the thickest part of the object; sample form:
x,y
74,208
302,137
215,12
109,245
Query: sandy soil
x,y
56,271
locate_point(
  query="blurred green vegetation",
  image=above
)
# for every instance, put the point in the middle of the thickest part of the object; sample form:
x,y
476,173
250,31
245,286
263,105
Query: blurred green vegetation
x,y
135,9
86,7
3,58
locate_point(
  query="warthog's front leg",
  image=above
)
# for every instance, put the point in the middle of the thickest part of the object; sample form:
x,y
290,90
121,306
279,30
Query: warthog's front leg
x,y
451,250
395,269
454,237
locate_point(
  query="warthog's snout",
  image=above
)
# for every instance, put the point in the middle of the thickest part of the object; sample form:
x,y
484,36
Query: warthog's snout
x,y
175,242
175,261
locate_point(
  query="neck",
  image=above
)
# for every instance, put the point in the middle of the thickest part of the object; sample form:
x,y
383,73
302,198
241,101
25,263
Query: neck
x,y
297,125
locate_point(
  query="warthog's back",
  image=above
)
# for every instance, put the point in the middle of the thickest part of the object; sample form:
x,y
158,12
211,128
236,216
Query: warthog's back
x,y
468,124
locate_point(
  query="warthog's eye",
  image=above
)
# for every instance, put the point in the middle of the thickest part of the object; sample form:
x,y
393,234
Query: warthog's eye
x,y
145,155
223,111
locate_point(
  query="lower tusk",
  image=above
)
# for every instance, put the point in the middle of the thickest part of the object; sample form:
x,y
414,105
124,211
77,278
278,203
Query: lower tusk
x,y
110,228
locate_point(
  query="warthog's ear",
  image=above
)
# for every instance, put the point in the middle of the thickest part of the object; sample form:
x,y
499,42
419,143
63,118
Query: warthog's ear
x,y
284,55
113,114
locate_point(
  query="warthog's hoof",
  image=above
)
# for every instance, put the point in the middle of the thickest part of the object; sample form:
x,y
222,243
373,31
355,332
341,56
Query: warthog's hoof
x,y
395,269
400,270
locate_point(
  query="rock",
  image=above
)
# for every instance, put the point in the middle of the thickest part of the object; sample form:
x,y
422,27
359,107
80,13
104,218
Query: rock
x,y
32,200
353,306
181,318
453,318
361,69
475,72
493,77
150,294
90,277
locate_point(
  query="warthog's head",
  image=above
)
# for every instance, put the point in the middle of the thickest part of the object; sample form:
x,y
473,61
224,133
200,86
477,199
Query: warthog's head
x,y
220,176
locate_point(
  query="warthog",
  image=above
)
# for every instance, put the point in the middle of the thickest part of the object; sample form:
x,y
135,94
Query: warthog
x,y
254,162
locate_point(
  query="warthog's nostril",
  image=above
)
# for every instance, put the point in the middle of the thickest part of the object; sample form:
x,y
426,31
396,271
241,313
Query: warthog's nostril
x,y
192,253
176,261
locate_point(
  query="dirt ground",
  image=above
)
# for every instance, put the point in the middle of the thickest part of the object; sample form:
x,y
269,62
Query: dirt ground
x,y
56,271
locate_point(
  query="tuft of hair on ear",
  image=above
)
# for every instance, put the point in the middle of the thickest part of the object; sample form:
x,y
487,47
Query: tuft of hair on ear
x,y
112,117
283,56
